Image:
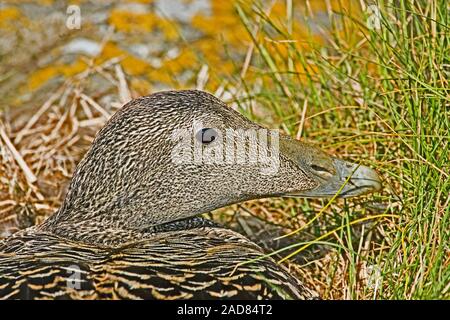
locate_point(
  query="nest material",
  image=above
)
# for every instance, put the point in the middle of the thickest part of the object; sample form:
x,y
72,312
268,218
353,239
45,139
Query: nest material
x,y
40,149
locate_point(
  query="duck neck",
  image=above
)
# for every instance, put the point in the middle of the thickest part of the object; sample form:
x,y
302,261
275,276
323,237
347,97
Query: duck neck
x,y
114,234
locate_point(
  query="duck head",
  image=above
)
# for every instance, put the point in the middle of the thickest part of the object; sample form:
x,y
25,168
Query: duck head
x,y
177,154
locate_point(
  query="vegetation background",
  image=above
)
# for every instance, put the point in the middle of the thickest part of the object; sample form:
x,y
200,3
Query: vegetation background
x,y
365,80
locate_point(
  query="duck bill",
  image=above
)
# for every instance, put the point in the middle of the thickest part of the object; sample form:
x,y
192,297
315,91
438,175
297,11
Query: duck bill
x,y
348,180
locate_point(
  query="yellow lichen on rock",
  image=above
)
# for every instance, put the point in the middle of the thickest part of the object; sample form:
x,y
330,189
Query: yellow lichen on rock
x,y
129,22
9,15
222,23
41,76
74,68
132,65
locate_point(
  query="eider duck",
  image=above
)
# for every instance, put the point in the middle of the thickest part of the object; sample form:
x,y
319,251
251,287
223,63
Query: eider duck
x,y
130,226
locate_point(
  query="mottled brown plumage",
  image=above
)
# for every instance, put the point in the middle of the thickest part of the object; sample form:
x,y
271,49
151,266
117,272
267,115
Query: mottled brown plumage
x,y
129,225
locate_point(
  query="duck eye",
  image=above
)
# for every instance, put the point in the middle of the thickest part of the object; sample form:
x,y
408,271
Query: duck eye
x,y
207,135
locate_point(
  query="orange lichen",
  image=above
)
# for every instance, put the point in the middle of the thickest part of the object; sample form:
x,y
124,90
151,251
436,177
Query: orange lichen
x,y
46,2
185,60
218,61
132,65
168,28
161,76
41,76
126,21
140,1
76,67
9,15
140,86
224,22
302,70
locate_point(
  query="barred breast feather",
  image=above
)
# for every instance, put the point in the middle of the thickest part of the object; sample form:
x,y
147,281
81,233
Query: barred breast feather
x,y
203,263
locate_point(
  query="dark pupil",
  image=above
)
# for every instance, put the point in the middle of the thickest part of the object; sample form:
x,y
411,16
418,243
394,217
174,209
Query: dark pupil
x,y
208,135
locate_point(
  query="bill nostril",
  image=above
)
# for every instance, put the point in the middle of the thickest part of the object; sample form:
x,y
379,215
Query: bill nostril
x,y
319,168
